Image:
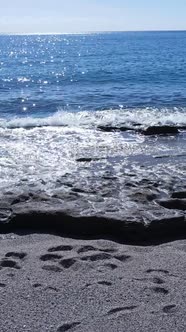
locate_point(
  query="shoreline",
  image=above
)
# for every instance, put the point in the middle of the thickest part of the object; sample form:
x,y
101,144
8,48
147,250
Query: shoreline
x,y
76,261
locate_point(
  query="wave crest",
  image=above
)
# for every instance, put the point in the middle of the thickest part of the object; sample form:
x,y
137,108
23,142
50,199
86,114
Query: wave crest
x,y
142,117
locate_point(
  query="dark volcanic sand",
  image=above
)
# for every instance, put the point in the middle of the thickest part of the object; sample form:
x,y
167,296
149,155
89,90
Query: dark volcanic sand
x,y
49,283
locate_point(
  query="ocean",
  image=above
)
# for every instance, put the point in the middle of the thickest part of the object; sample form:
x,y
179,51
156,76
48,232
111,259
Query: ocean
x,y
74,108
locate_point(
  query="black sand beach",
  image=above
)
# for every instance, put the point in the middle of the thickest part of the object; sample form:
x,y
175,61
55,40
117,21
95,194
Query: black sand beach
x,y
51,283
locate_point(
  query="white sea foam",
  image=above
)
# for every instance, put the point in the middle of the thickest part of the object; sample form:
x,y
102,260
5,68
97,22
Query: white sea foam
x,y
87,119
38,157
42,155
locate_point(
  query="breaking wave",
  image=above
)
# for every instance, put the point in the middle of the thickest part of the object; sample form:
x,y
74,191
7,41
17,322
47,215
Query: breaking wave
x,y
139,117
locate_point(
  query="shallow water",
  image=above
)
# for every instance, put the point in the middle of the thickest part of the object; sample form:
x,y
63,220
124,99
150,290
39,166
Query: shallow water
x,y
56,92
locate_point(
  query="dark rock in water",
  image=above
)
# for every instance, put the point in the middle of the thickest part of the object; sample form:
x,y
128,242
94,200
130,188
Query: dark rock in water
x,y
177,204
88,160
98,200
140,223
182,127
114,128
144,195
160,130
179,194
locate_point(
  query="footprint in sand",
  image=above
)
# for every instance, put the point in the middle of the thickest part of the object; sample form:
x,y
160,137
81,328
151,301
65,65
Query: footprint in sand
x,y
12,263
67,263
157,270
105,283
55,257
157,280
122,258
67,326
87,248
16,255
103,254
96,257
51,288
50,257
160,290
60,248
169,309
111,266
110,250
9,263
104,257
100,257
121,309
51,268
2,285
37,285
56,254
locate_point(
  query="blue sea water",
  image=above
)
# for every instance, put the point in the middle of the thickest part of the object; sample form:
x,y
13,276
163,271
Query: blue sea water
x,y
41,73
62,87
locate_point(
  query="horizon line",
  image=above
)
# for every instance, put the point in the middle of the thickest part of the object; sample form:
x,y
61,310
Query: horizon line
x,y
91,32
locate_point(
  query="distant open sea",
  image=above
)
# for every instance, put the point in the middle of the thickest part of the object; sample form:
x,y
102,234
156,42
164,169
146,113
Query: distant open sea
x,y
56,91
